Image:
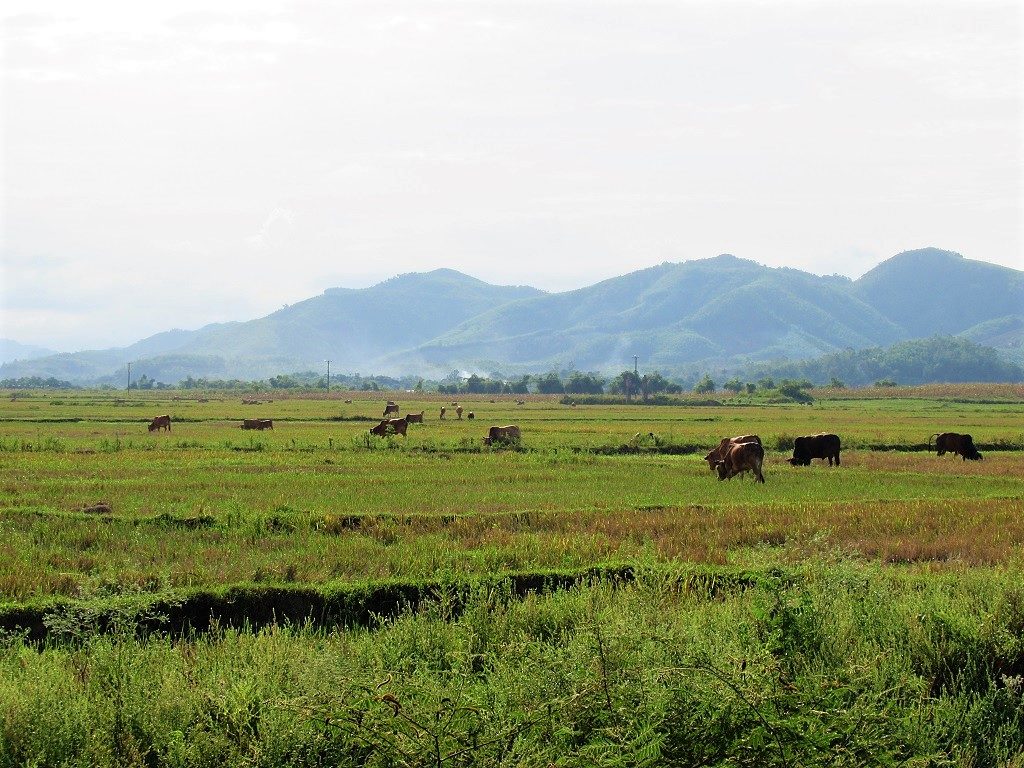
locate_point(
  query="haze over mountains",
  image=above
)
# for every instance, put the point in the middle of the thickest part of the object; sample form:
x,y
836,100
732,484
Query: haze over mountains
x,y
722,309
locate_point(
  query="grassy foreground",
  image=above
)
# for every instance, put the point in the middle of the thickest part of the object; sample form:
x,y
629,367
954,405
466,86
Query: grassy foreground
x,y
860,615
842,665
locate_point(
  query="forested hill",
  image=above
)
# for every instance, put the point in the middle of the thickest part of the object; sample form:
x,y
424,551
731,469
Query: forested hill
x,y
724,309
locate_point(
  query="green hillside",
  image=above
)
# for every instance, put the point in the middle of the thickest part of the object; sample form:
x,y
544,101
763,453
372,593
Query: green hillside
x,y
723,310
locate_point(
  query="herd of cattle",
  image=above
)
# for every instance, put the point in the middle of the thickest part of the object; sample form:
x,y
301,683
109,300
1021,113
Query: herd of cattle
x,y
731,457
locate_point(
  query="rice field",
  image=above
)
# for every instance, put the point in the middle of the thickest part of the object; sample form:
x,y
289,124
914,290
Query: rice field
x,y
94,508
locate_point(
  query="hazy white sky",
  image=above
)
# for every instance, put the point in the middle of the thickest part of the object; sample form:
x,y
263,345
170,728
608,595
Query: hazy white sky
x,y
173,164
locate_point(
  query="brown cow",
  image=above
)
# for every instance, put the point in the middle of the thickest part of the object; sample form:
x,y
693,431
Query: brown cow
x,y
470,415
443,409
390,408
257,424
821,446
160,422
458,411
507,434
957,444
397,425
717,453
414,418
739,457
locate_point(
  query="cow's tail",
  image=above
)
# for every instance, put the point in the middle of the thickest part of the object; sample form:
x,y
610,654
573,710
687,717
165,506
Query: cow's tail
x,y
930,439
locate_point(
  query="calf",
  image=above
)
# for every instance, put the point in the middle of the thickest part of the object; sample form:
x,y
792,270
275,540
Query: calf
x,y
414,418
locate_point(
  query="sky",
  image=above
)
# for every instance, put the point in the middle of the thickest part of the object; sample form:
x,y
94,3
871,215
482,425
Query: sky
x,y
169,165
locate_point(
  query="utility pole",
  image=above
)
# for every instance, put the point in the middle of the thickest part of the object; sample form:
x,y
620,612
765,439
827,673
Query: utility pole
x,y
328,376
129,377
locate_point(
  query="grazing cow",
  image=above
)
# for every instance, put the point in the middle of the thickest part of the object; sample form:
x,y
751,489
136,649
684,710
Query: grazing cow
x,y
414,418
398,426
458,411
520,402
443,409
390,408
348,402
257,424
470,415
717,453
160,422
739,457
957,444
250,401
506,434
823,446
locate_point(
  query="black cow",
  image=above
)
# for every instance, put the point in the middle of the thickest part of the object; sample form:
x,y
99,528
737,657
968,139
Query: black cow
x,y
823,446
957,444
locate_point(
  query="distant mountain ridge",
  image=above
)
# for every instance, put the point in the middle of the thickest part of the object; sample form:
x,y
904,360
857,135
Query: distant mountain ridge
x,y
718,309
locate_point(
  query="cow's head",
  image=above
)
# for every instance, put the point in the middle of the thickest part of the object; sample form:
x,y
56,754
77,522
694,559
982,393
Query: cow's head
x,y
380,430
152,426
487,441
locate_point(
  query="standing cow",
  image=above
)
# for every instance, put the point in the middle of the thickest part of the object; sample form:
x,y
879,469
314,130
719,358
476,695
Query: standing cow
x,y
458,411
390,408
957,444
398,426
740,457
507,434
160,422
822,446
717,454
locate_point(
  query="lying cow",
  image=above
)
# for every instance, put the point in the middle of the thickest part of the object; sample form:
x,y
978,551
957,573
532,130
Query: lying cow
x,y
717,454
390,408
506,434
160,422
414,418
823,446
740,457
257,424
957,444
398,426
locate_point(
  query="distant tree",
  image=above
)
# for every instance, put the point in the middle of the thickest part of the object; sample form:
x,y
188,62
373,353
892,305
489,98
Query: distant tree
x,y
550,384
626,383
733,385
520,386
751,387
836,383
652,384
886,383
766,383
705,386
584,384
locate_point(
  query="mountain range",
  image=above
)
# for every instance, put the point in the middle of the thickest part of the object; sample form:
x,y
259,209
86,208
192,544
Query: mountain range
x,y
722,309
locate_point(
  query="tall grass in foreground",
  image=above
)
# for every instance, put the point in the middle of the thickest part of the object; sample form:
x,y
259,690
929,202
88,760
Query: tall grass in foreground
x,y
849,666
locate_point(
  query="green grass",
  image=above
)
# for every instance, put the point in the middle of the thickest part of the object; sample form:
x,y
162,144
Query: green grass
x,y
881,621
